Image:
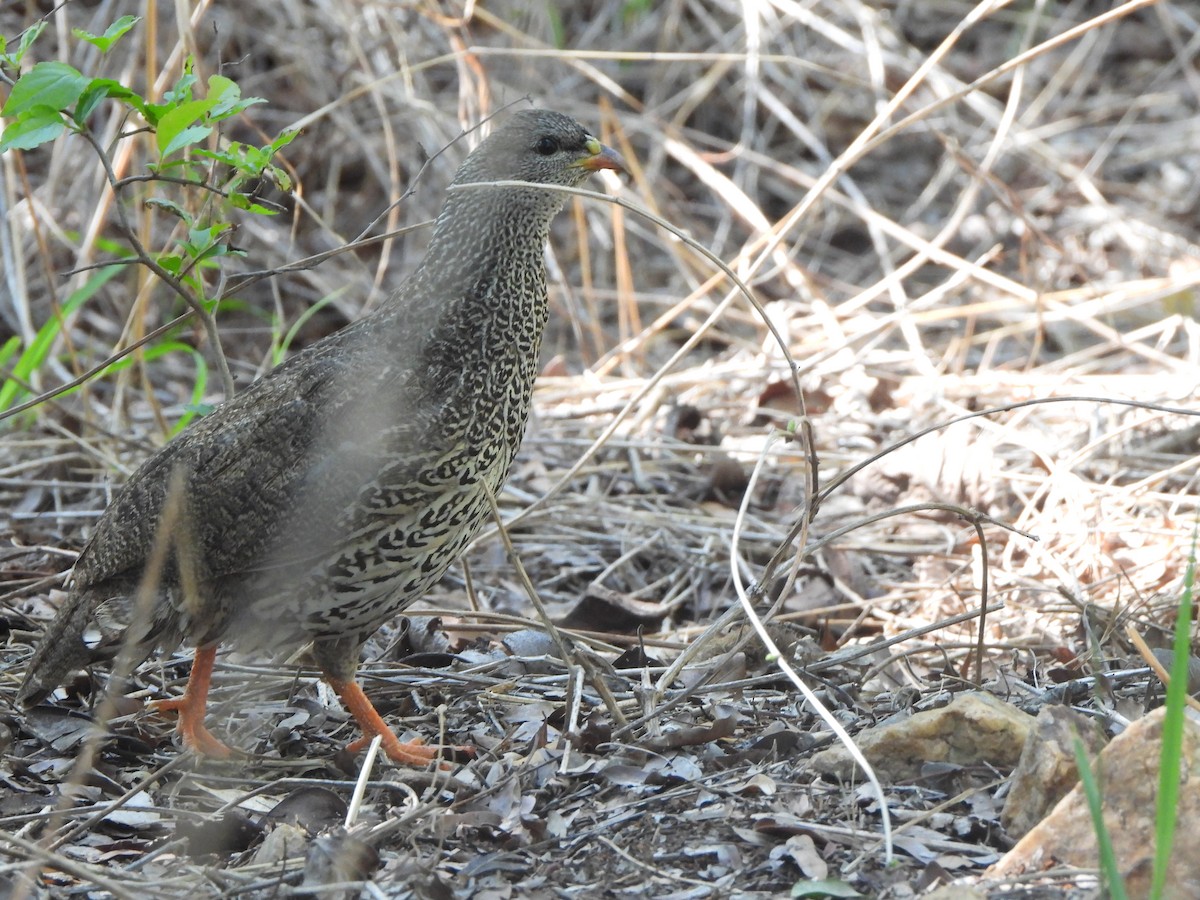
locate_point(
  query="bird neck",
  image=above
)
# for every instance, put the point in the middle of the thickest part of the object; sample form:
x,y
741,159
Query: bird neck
x,y
487,232
480,300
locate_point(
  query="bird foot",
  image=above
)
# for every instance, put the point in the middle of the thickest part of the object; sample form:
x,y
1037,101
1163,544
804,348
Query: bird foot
x,y
412,753
192,704
191,727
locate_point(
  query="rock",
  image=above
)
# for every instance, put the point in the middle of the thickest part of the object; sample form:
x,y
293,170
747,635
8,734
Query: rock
x,y
1046,770
1128,771
972,729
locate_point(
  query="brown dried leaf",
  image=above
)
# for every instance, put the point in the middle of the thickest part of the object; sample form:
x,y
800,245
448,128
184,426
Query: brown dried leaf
x,y
312,808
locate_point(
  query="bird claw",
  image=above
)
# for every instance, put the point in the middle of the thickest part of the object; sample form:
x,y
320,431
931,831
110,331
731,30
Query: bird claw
x,y
191,730
412,753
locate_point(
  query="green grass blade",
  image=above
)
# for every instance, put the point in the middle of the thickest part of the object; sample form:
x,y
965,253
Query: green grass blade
x,y
1174,720
198,388
11,346
35,355
281,348
1110,873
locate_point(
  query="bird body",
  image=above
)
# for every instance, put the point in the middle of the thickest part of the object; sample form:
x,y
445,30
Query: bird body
x,y
338,488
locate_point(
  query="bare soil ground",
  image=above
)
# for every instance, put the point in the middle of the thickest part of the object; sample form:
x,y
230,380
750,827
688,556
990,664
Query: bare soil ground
x,y
973,230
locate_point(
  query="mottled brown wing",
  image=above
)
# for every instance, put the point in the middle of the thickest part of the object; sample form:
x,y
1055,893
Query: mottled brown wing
x,y
265,461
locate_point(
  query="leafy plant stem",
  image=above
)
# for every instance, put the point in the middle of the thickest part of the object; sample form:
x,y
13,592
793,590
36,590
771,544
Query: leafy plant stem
x,y
208,323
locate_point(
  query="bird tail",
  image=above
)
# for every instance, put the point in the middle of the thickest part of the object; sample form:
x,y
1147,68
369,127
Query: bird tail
x,y
60,651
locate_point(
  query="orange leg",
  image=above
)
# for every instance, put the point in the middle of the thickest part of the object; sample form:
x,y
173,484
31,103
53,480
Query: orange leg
x,y
192,704
413,753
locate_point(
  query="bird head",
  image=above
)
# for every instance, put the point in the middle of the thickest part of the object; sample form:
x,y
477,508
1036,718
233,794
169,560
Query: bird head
x,y
540,146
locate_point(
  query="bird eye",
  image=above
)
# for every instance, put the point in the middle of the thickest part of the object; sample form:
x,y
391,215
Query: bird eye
x,y
546,146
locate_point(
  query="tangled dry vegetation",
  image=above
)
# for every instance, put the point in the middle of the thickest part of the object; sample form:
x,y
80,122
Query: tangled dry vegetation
x,y
942,211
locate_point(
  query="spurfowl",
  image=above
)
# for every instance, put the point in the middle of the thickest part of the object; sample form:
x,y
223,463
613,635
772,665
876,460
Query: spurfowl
x,y
335,490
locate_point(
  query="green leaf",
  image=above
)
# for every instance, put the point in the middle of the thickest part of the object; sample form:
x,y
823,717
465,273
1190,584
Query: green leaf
x,y
113,34
176,129
35,127
209,242
253,161
28,36
281,178
223,93
227,97
52,84
170,206
152,112
229,155
245,159
193,135
200,240
173,264
181,92
88,102
243,201
184,167
98,89
219,86
284,139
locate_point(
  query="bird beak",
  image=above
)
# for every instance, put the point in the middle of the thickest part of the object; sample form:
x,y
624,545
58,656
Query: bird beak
x,y
601,157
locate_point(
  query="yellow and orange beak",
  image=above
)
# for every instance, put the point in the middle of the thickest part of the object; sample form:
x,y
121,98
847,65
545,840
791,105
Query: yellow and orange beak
x,y
601,157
